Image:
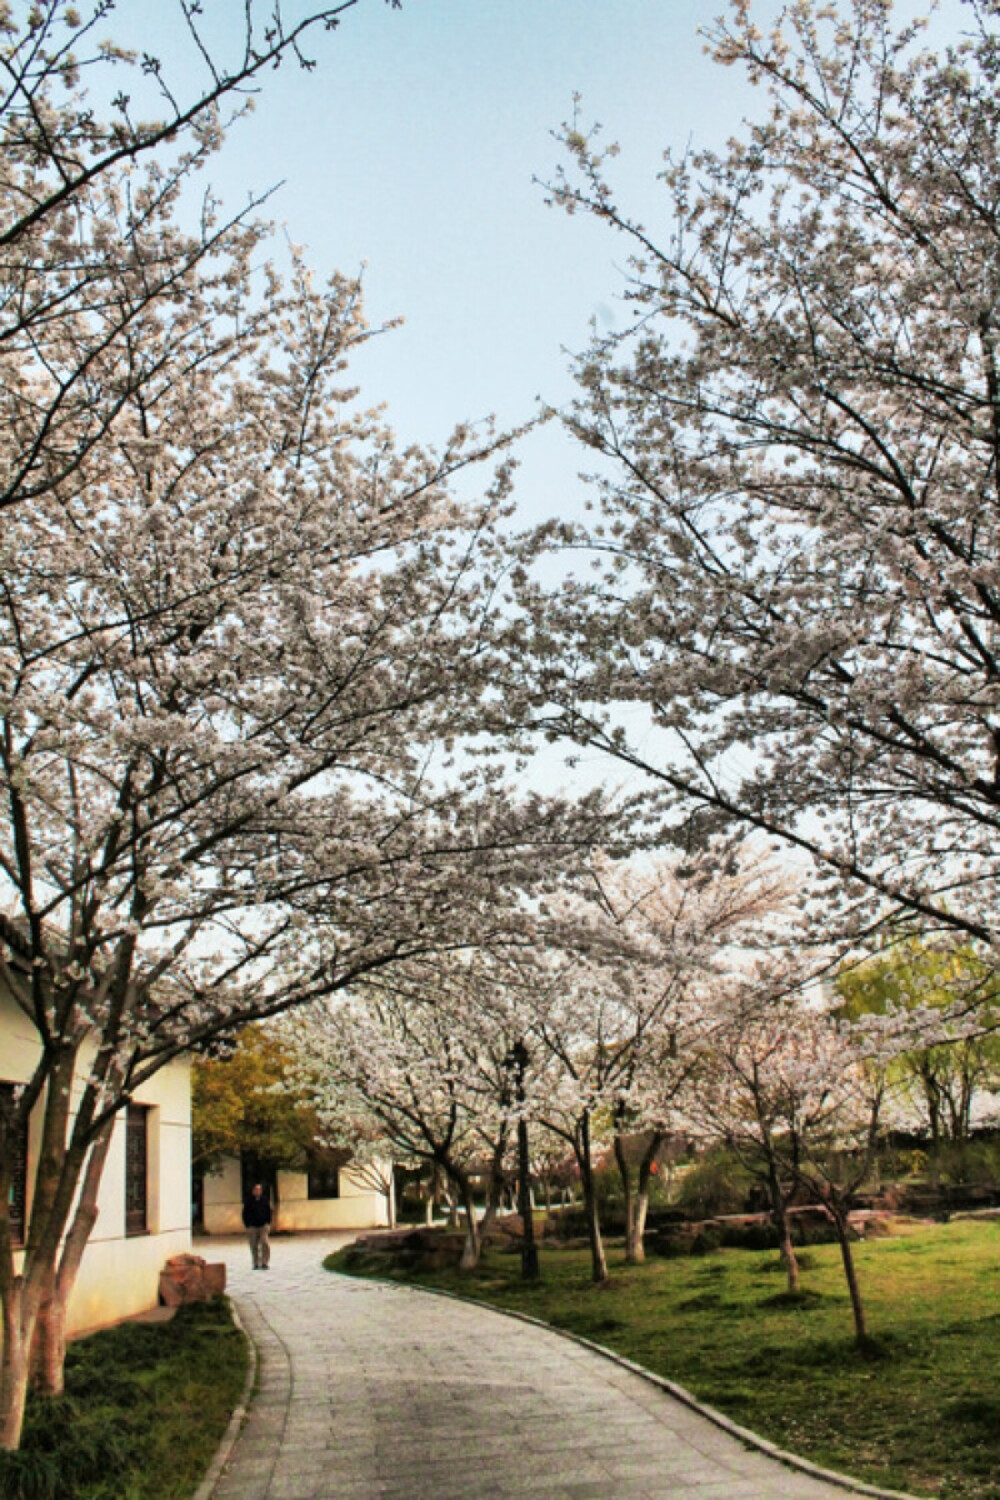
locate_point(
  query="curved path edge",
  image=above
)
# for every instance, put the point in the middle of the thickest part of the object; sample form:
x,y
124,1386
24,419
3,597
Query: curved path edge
x,y
235,1425
678,1392
360,1415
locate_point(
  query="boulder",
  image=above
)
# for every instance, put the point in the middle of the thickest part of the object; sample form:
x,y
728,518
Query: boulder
x,y
506,1227
423,1249
189,1278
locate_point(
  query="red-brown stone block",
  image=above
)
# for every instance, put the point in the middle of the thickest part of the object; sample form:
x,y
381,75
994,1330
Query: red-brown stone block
x,y
189,1278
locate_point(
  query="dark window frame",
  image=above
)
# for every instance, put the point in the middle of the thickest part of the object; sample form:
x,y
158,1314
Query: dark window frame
x,y
19,1182
323,1181
136,1169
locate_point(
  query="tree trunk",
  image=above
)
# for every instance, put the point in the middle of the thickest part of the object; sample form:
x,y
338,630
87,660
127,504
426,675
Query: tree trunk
x,y
598,1260
472,1248
642,1210
788,1255
23,1298
646,1170
48,1350
494,1193
59,1165
779,1214
963,1106
13,1369
839,1214
489,1216
933,1102
632,1256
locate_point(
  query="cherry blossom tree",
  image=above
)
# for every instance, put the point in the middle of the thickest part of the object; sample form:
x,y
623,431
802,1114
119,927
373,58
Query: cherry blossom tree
x,y
243,634
796,450
601,1013
578,1026
118,327
621,1003
689,921
417,1059
802,1096
96,140
740,1098
241,646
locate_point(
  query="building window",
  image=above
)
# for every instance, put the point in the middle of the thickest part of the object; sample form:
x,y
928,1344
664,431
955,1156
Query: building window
x,y
136,1168
19,1175
324,1181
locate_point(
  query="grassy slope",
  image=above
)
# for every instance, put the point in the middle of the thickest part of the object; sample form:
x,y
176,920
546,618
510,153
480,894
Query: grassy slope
x,y
145,1408
922,1415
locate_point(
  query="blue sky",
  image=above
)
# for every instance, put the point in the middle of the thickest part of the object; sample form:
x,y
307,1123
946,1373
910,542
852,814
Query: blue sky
x,y
412,148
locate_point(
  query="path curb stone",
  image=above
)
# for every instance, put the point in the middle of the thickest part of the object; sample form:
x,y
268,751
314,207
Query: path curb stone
x,y
232,1432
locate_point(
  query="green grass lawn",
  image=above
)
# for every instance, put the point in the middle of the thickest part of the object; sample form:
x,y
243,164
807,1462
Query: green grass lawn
x,y
921,1413
145,1408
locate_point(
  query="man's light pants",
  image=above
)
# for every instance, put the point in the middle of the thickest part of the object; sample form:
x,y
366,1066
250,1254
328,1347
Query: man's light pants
x,y
260,1245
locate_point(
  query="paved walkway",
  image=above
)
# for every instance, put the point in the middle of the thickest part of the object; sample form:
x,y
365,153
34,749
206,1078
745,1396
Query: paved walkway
x,y
373,1392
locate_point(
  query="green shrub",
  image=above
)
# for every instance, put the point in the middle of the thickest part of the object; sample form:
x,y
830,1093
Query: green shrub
x,y
610,1199
749,1236
974,1163
708,1238
717,1184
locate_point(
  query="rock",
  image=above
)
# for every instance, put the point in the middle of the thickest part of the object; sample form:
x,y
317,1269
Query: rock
x,y
871,1224
189,1278
423,1249
214,1278
507,1227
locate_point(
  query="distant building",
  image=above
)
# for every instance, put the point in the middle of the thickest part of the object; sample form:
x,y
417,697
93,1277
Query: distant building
x,y
326,1197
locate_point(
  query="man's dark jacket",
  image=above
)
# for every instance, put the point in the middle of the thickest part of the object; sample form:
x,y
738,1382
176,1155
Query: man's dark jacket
x,y
256,1211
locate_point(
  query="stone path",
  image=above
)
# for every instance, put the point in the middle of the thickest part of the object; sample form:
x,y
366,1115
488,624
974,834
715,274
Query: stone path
x,y
373,1392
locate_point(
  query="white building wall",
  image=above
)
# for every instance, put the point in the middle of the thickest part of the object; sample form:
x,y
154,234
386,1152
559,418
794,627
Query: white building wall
x,y
119,1274
222,1200
358,1207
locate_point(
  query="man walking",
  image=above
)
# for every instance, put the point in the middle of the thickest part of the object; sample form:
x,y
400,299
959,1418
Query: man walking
x,y
257,1218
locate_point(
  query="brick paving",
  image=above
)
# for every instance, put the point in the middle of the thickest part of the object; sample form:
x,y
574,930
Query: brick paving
x,y
374,1392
